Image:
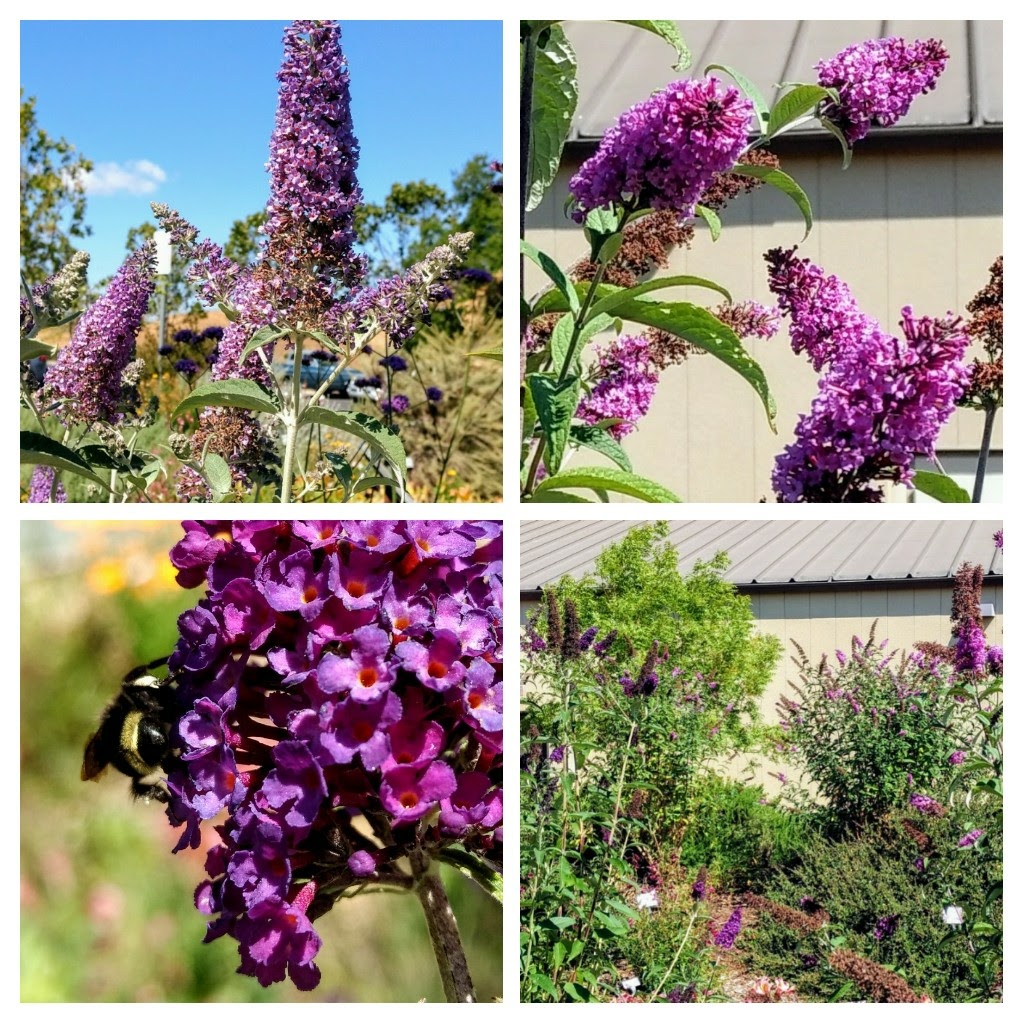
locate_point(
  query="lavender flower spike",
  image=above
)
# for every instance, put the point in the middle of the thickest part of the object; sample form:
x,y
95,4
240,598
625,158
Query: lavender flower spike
x,y
313,155
86,378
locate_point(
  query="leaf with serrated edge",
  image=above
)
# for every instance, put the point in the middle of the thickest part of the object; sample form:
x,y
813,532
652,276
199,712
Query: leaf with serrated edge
x,y
605,478
373,431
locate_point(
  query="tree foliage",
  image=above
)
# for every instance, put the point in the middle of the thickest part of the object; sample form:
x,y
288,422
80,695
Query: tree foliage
x,y
52,197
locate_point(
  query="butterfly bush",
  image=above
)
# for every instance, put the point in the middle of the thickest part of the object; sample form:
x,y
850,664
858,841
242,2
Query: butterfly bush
x,y
664,151
877,80
341,701
881,401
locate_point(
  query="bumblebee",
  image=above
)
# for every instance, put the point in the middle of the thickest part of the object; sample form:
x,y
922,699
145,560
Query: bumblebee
x,y
134,733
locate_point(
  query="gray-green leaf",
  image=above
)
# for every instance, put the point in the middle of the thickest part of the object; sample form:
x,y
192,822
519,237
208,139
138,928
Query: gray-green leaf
x,y
40,450
667,30
234,392
598,478
556,405
373,431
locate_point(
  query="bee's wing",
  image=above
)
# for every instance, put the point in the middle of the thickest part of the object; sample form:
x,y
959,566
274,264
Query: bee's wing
x,y
93,763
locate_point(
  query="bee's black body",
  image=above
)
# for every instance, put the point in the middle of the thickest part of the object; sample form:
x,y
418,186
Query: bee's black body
x,y
134,734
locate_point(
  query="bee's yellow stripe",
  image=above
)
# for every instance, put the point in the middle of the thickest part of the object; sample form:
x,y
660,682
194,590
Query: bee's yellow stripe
x,y
130,743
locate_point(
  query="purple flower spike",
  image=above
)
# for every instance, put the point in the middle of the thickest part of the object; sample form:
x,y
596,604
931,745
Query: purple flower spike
x,y
727,934
665,151
877,80
86,378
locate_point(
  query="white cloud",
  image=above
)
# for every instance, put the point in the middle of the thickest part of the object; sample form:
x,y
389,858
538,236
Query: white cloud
x,y
136,177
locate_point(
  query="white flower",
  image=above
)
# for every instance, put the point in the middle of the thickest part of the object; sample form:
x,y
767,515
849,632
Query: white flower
x,y
630,985
647,900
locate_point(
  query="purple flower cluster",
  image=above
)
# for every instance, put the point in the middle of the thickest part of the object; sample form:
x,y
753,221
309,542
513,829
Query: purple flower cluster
x,y
40,487
970,647
86,378
926,805
625,386
971,838
396,404
881,402
340,691
957,757
726,936
313,155
877,80
998,538
665,151
885,926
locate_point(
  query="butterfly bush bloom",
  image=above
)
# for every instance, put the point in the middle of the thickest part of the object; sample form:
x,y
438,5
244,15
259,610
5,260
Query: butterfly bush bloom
x,y
41,488
877,80
86,378
971,838
625,386
726,936
665,151
313,156
340,690
881,401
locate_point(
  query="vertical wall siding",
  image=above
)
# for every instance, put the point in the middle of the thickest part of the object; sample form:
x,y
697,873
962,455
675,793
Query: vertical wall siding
x,y
902,227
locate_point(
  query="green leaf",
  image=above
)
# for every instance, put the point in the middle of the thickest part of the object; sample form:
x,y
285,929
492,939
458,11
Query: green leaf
x,y
612,296
40,450
489,353
785,184
605,478
262,337
342,468
326,340
561,923
561,339
713,221
798,101
832,127
31,348
555,94
551,496
577,993
234,392
544,983
558,954
229,311
667,30
610,247
366,482
701,328
100,457
217,474
601,441
556,405
554,272
940,487
748,89
374,432
476,868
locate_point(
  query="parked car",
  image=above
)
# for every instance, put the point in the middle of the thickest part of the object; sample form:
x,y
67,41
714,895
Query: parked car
x,y
347,384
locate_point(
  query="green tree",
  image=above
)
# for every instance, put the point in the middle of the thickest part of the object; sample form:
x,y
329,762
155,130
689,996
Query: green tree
x,y
52,197
243,244
392,230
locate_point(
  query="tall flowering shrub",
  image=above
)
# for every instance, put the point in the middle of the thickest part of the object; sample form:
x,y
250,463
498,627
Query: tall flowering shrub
x,y
678,156
340,691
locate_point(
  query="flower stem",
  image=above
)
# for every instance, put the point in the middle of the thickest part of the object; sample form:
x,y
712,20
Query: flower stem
x,y
986,443
292,423
444,937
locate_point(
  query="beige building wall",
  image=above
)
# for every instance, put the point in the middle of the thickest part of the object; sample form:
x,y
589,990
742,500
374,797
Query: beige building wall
x,y
917,224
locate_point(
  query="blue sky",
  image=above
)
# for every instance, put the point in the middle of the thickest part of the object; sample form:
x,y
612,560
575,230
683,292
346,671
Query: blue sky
x,y
182,111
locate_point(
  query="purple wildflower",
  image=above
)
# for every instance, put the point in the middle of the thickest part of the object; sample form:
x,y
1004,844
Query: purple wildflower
x,y
884,927
700,885
726,936
664,151
558,754
40,488
602,645
86,378
881,402
877,80
971,838
994,660
395,363
434,394
187,367
320,728
998,538
587,638
625,386
957,757
395,404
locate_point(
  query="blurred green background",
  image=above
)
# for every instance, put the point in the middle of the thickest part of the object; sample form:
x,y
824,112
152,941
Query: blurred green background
x,y
106,909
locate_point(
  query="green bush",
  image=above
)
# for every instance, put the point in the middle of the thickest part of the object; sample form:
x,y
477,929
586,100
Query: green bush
x,y
883,873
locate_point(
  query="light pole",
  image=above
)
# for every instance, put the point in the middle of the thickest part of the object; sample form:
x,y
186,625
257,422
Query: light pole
x,y
164,259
